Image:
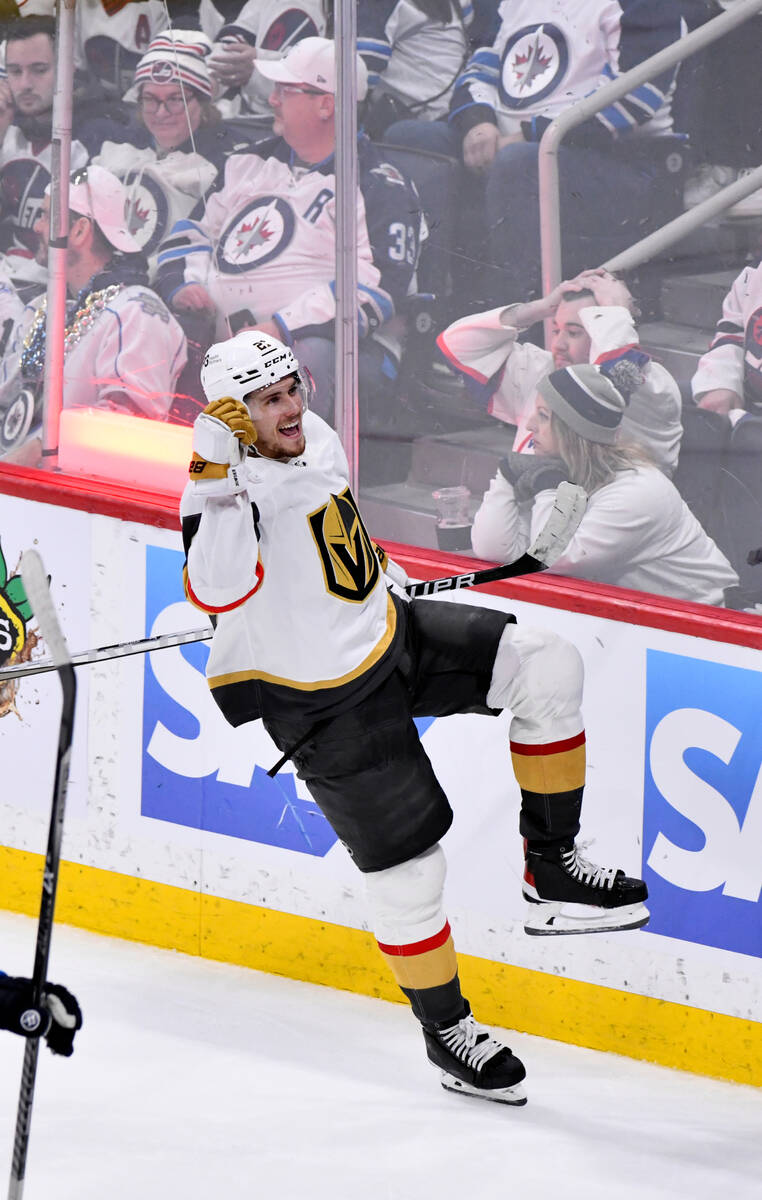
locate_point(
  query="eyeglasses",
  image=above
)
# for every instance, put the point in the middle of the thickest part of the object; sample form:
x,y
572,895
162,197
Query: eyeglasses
x,y
173,104
291,89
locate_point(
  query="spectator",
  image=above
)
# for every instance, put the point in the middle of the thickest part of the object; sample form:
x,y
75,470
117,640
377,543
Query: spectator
x,y
614,187
414,51
257,31
188,142
729,375
637,532
123,348
593,321
25,156
262,255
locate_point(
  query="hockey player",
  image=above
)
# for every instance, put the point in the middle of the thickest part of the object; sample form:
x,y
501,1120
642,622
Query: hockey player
x,y
57,1019
592,321
311,638
263,253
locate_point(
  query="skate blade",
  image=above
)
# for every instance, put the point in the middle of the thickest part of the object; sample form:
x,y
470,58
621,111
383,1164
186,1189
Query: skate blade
x,y
508,1095
550,919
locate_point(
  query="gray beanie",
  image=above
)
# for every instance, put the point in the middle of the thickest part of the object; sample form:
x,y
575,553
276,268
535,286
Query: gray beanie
x,y
586,400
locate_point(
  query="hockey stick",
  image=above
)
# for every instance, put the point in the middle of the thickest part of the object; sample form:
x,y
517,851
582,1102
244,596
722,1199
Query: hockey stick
x,y
38,595
550,543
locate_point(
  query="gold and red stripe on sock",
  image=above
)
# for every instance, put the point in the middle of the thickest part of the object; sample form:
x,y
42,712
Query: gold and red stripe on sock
x,y
550,767
425,964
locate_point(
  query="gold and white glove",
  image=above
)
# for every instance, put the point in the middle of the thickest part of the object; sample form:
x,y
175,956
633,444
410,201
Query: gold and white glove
x,y
222,434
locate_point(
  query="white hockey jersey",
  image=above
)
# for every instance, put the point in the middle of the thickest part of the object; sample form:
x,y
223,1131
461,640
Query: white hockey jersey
x,y
412,55
550,53
24,176
133,348
734,358
304,619
503,374
110,36
272,26
265,248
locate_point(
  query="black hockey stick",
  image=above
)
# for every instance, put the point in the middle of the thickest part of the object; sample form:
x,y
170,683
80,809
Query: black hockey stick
x,y
38,595
550,543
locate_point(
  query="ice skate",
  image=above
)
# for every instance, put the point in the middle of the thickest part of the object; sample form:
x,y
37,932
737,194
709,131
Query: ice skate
x,y
473,1063
568,894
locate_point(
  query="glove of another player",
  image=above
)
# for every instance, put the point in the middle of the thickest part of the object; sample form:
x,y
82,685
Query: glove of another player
x,y
57,1019
532,473
221,435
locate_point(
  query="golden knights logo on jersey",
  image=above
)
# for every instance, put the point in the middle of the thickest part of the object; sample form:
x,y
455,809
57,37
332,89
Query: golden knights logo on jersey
x,y
350,566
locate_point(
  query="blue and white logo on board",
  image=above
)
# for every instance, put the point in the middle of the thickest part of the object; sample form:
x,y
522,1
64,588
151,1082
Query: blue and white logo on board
x,y
196,770
702,831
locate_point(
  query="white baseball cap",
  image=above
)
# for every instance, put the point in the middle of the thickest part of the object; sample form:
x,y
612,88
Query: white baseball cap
x,y
94,192
312,61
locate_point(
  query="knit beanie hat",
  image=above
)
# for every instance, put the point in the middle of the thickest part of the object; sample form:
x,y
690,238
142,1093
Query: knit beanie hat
x,y
585,400
175,56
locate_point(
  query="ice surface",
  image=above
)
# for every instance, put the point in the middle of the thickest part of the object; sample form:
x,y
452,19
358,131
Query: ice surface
x,y
201,1081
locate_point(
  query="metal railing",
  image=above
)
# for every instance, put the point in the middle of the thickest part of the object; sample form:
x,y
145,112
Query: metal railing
x,y
550,208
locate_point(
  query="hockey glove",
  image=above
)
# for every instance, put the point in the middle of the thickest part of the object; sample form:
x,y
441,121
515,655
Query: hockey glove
x,y
221,435
57,1019
532,473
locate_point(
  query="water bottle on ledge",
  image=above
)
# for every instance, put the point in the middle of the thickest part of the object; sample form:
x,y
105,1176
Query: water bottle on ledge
x,y
453,518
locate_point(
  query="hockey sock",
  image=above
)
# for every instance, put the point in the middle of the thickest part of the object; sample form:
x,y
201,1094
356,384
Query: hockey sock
x,y
427,972
551,777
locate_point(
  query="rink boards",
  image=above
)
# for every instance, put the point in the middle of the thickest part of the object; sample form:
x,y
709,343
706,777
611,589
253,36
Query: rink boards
x,y
176,836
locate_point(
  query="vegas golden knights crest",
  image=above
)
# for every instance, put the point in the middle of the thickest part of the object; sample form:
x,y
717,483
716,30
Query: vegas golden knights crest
x,y
349,562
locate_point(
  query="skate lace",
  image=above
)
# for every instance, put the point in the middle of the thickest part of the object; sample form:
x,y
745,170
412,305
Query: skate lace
x,y
587,872
470,1042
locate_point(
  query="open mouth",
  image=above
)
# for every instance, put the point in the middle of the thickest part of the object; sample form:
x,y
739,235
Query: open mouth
x,y
293,430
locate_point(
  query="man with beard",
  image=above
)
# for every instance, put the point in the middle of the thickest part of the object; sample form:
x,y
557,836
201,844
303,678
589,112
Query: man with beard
x,y
592,322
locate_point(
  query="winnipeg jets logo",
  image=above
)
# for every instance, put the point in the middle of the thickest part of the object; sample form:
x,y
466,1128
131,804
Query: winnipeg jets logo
x,y
257,234
147,210
534,63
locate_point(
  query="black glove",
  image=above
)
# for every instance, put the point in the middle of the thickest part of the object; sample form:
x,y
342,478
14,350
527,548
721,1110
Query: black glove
x,y
57,1019
532,473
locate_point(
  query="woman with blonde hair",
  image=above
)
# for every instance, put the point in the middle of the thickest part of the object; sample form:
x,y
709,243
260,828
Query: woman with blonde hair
x,y
637,531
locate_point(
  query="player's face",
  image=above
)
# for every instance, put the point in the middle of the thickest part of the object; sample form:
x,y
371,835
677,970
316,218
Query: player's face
x,y
163,109
30,65
569,341
539,425
277,415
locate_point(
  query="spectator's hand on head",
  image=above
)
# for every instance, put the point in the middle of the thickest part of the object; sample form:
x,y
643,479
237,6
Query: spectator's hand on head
x,y
608,290
193,298
232,62
720,400
480,147
6,107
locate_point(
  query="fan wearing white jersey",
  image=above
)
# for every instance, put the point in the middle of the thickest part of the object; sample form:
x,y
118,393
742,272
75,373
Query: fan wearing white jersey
x,y
311,636
263,253
729,375
592,321
123,348
637,531
617,178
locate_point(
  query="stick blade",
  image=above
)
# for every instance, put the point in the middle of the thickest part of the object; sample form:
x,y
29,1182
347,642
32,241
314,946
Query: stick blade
x,y
568,510
38,594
